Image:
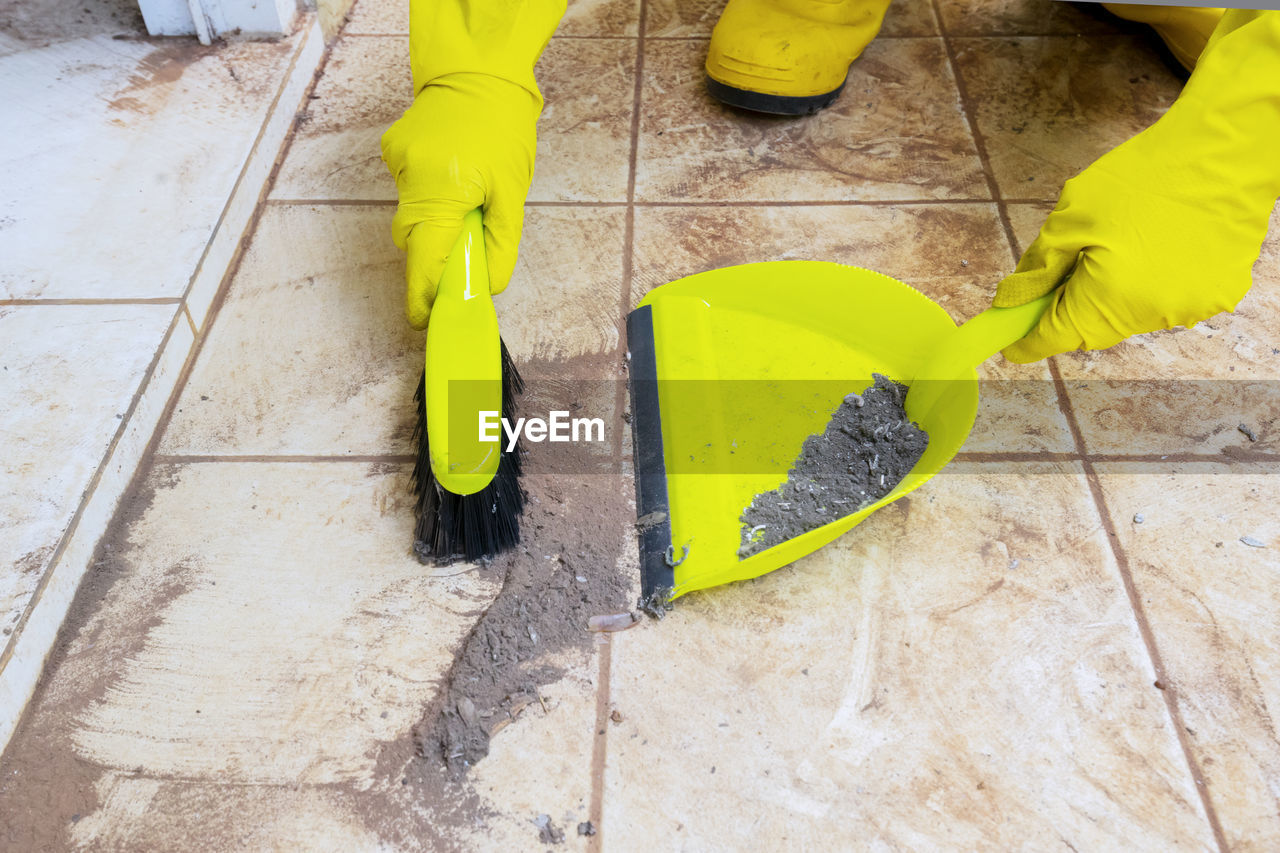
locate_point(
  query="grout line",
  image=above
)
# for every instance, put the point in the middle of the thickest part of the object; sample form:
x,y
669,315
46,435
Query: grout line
x,y
199,458
1139,611
600,743
159,300
697,37
195,333
1016,456
1236,457
726,203
333,202
893,202
85,498
979,142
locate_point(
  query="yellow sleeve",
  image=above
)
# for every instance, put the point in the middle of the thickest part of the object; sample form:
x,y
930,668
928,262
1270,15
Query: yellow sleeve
x,y
501,38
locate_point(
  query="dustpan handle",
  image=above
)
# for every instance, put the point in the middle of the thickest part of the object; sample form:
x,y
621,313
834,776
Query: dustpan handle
x,y
970,345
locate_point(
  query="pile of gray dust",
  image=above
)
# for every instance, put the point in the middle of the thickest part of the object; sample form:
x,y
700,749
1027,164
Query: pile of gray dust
x,y
867,448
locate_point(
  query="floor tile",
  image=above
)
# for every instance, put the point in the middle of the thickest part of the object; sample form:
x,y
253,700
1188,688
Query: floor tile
x,y
70,374
27,645
697,18
313,650
901,689
335,152
541,765
1048,107
378,17
896,133
1214,608
298,652
585,18
310,353
339,376
144,139
1187,390
565,295
583,134
599,18
1026,18
951,253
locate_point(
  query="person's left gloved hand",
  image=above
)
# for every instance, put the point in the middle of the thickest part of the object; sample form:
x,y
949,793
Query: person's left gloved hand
x,y
1164,230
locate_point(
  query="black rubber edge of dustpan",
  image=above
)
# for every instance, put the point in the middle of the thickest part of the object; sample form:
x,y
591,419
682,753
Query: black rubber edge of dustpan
x,y
646,447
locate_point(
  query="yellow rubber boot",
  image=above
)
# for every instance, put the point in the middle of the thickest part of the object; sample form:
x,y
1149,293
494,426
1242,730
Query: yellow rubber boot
x,y
788,57
1185,29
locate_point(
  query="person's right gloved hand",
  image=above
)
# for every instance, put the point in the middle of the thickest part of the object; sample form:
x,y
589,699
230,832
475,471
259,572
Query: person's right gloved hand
x,y
1164,230
468,140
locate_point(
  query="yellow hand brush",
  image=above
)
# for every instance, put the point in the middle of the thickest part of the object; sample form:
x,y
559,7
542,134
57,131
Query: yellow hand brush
x,y
466,479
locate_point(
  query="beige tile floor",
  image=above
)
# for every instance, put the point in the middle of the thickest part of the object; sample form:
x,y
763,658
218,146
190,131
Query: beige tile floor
x,y
1008,659
130,169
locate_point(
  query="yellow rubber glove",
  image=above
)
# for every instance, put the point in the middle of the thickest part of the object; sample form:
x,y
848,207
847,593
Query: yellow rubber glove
x,y
468,140
1164,230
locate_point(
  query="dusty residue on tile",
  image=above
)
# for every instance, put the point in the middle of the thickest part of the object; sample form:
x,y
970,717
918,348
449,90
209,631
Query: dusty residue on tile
x,y
336,150
564,296
613,18
1026,17
1214,608
74,369
26,26
162,67
907,689
895,133
164,158
1048,107
952,253
310,353
584,133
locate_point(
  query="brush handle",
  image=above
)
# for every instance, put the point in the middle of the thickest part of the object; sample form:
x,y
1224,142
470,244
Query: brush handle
x,y
970,345
463,367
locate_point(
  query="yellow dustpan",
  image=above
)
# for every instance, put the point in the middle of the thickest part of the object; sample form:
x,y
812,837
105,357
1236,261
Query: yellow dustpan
x,y
732,369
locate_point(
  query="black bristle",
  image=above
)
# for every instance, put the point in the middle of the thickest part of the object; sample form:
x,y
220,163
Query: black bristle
x,y
470,527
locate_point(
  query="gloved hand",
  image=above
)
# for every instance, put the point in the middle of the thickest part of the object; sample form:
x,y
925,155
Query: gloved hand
x,y
1164,230
468,140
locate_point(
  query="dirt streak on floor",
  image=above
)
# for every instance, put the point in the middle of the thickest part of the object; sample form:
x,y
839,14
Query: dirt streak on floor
x,y
564,571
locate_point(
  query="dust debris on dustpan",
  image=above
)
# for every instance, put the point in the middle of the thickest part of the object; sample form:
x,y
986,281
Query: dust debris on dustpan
x,y
656,604
868,446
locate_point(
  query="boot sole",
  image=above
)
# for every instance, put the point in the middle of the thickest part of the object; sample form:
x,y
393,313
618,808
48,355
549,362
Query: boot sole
x,y
778,105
